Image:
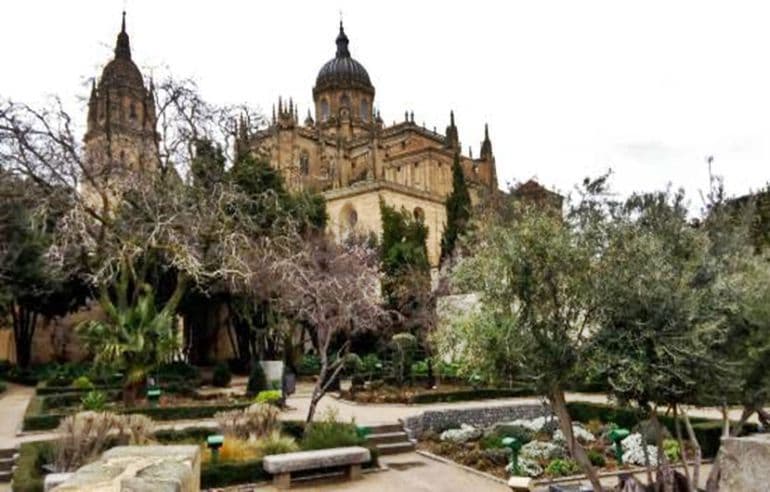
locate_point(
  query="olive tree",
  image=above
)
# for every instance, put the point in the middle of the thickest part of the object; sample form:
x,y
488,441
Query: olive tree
x,y
536,280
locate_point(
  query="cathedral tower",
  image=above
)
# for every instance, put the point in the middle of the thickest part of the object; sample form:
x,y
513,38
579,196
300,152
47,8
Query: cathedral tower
x,y
120,136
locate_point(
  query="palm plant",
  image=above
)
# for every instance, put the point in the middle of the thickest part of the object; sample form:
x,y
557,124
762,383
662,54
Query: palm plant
x,y
134,338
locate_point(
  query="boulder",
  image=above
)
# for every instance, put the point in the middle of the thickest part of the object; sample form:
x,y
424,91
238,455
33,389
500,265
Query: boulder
x,y
464,434
744,463
139,469
541,450
583,435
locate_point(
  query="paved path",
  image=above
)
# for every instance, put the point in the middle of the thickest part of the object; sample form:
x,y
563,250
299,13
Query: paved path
x,y
13,404
407,472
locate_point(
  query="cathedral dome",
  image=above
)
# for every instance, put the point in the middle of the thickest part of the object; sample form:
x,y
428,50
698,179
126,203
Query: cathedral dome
x,y
342,71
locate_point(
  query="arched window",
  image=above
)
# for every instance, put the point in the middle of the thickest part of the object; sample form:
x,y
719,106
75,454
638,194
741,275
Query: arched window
x,y
304,164
419,214
364,110
345,101
324,110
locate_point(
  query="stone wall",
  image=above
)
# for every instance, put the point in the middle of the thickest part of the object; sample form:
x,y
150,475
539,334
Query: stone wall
x,y
745,463
481,416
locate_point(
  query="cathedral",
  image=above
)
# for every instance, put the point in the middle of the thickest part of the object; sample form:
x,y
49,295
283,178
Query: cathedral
x,y
342,149
345,151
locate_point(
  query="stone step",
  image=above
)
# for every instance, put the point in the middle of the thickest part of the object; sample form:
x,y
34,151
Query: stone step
x,y
387,437
7,452
5,476
395,448
385,428
6,464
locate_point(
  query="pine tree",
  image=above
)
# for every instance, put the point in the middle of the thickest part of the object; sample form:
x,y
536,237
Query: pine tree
x,y
458,210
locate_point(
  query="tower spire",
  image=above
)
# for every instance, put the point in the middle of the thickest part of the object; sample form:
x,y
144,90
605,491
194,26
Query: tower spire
x,y
122,47
452,136
342,43
486,145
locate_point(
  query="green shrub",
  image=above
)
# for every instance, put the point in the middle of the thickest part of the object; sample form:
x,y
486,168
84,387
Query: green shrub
x,y
671,449
309,365
3,386
178,371
257,379
596,458
491,441
222,376
219,475
28,475
94,400
372,366
420,369
561,468
330,433
272,397
82,383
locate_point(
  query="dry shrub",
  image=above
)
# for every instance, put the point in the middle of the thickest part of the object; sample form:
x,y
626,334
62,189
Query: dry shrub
x,y
255,422
136,430
86,435
234,449
276,443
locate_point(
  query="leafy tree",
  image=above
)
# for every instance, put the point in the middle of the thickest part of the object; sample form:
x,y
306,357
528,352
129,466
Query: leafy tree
x,y
208,165
536,279
404,254
31,286
458,210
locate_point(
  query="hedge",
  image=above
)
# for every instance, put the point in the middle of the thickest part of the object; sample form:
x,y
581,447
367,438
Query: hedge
x,y
467,395
707,431
35,419
176,387
28,476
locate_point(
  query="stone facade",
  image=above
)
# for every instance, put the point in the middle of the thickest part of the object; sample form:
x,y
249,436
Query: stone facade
x,y
347,153
479,417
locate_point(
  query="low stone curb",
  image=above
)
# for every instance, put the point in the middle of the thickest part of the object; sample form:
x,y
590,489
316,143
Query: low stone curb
x,y
447,461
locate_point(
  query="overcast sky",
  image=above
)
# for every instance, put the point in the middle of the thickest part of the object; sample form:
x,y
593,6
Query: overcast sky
x,y
569,88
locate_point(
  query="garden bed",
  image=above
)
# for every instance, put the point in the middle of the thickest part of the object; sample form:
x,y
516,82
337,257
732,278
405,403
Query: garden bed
x,y
30,473
419,394
544,453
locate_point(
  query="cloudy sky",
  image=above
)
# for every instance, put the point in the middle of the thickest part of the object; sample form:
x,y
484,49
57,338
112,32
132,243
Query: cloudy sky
x,y
569,88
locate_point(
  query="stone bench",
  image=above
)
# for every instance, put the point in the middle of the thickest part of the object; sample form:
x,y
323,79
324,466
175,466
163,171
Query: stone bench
x,y
281,466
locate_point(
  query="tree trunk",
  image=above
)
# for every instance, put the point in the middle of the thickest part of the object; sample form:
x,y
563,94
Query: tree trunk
x,y
712,483
696,446
130,393
559,405
663,466
682,452
24,324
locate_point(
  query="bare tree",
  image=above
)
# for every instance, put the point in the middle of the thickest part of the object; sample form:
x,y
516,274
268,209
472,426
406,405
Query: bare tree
x,y
335,289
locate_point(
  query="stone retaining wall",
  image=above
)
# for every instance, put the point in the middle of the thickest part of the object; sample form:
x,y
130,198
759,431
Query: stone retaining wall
x,y
481,416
